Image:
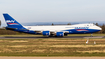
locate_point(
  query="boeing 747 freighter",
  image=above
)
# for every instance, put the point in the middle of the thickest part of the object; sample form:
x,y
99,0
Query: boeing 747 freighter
x,y
57,30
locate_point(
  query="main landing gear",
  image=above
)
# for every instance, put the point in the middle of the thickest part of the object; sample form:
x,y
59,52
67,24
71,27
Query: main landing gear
x,y
91,34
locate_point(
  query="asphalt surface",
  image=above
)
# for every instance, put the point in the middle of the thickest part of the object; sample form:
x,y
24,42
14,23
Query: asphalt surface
x,y
52,57
51,37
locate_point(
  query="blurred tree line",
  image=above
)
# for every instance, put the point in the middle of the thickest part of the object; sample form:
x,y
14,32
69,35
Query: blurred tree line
x,y
103,28
3,31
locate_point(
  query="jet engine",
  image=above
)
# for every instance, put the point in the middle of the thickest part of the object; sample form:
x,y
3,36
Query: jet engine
x,y
46,33
60,34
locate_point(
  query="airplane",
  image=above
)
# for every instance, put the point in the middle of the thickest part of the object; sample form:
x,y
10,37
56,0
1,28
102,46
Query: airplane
x,y
56,30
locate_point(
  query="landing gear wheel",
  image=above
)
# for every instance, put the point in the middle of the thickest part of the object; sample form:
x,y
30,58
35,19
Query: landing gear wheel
x,y
91,34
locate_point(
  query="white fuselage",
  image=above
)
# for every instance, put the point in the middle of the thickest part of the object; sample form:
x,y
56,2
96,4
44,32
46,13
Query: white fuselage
x,y
57,28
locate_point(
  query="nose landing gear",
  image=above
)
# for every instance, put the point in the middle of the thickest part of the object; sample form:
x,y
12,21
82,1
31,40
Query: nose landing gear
x,y
91,34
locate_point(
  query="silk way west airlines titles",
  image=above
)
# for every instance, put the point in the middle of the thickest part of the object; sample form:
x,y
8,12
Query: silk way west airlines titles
x,y
57,30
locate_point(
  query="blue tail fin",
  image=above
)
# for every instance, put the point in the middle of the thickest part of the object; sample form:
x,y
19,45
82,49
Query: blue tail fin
x,y
12,23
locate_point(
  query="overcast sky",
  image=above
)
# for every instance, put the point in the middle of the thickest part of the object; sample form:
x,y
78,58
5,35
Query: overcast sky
x,y
25,11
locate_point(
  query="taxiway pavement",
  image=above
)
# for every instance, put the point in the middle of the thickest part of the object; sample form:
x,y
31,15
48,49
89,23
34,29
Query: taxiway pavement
x,y
51,37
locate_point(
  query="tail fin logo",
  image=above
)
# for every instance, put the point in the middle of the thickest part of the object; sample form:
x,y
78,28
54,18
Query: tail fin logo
x,y
11,22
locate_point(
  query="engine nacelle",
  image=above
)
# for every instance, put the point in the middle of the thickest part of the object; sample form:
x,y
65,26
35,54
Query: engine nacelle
x,y
46,33
59,34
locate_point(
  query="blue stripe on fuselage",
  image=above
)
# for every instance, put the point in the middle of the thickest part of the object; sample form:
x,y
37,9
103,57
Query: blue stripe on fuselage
x,y
74,31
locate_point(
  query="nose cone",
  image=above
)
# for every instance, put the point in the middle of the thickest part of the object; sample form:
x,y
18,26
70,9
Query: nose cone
x,y
99,28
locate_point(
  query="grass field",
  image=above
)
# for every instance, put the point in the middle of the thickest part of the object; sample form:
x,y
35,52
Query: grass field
x,y
52,47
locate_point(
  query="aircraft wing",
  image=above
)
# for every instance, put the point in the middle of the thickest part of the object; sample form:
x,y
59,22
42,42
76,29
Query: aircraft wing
x,y
51,32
